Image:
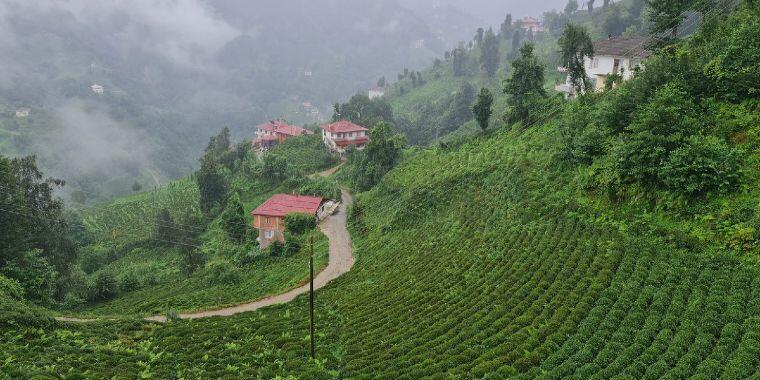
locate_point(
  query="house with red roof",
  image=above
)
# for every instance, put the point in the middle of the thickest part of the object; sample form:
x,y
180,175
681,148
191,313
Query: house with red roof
x,y
269,218
274,132
341,135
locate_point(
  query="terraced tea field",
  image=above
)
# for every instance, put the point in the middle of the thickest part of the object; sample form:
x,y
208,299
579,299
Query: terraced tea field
x,y
488,269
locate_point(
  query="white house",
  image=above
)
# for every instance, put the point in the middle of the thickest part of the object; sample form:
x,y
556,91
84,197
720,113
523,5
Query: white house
x,y
96,88
342,134
22,112
376,92
619,55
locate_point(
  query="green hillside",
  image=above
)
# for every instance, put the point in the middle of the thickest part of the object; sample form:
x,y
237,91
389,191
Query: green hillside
x,y
616,236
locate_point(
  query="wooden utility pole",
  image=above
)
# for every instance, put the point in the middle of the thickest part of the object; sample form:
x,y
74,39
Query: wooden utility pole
x,y
311,295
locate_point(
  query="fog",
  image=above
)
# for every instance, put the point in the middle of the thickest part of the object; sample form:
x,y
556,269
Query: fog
x,y
174,72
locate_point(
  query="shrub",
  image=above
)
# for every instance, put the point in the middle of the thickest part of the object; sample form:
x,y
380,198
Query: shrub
x,y
129,282
299,223
276,249
35,275
10,289
72,301
293,244
705,164
192,260
104,286
322,187
222,273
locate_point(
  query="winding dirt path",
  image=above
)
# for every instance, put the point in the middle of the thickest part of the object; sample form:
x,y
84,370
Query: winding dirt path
x,y
341,260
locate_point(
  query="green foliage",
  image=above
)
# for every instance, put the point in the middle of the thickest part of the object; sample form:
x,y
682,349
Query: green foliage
x,y
525,87
362,110
212,186
575,44
234,221
192,259
379,156
298,223
104,286
166,229
489,56
702,165
482,108
222,273
320,186
36,276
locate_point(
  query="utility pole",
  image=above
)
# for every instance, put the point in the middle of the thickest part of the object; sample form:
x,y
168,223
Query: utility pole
x,y
311,295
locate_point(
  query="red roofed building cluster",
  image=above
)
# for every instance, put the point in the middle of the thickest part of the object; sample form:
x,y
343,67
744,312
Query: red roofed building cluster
x,y
274,132
342,134
269,218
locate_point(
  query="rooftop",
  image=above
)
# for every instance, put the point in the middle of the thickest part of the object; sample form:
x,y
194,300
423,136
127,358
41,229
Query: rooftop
x,y
343,126
284,204
621,47
282,127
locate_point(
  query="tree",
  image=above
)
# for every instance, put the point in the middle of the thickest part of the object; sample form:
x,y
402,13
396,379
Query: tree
x,y
506,26
36,223
571,7
219,144
614,23
590,4
381,81
136,187
459,62
479,36
525,87
362,110
489,54
516,41
233,220
460,108
212,185
575,44
379,156
666,15
166,228
482,108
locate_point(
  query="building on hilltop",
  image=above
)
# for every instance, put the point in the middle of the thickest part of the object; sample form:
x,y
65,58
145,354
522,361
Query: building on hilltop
x,y
342,134
613,55
531,24
269,218
274,132
98,89
376,92
22,112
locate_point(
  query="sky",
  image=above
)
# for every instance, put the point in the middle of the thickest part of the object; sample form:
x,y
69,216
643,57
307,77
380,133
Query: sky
x,y
493,11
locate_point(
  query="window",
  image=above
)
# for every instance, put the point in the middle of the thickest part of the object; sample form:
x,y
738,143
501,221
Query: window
x,y
267,220
269,234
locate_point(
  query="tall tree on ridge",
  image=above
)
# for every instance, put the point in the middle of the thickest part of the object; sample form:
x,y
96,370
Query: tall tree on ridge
x,y
489,54
525,87
482,108
575,44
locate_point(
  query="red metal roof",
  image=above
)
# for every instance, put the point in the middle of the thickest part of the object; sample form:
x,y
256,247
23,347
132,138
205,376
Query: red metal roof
x,y
356,141
343,126
284,204
277,126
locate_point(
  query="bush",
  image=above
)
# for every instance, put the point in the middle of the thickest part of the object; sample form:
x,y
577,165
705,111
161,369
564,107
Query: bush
x,y
298,224
276,249
322,187
703,165
104,287
192,260
72,301
10,289
293,244
222,273
129,282
35,275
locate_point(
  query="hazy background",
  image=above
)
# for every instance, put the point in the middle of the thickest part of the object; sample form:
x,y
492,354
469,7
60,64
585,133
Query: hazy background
x,y
174,72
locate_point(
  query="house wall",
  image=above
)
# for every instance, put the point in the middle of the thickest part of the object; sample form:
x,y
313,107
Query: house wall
x,y
269,225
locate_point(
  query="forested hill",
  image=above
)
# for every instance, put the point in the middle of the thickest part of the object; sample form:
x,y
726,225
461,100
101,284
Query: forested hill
x,y
169,85
615,235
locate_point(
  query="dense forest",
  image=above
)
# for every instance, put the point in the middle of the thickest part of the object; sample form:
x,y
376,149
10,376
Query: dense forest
x,y
500,229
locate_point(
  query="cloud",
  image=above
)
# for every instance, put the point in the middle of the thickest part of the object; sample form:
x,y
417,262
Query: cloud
x,y
87,141
186,32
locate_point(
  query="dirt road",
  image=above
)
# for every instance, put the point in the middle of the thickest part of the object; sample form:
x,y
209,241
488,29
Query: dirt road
x,y
341,261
